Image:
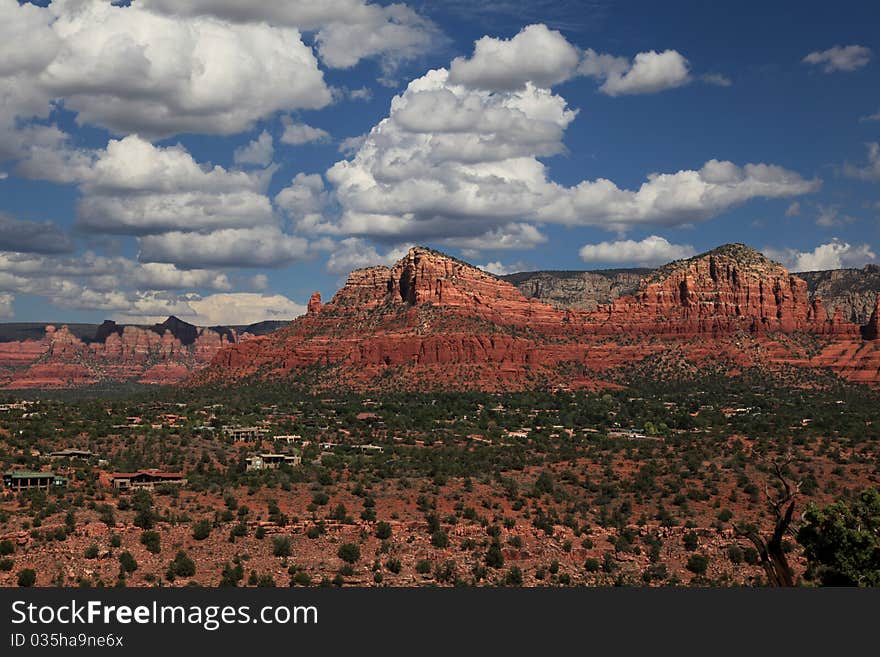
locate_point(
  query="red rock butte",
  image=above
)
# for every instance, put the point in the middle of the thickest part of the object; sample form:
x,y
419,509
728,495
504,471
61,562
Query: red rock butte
x,y
434,321
165,353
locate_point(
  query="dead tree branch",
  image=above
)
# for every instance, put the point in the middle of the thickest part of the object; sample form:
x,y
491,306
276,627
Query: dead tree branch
x,y
770,549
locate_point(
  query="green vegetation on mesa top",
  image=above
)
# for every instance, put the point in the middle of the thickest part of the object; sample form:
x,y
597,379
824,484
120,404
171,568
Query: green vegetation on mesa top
x,y
745,256
522,276
835,282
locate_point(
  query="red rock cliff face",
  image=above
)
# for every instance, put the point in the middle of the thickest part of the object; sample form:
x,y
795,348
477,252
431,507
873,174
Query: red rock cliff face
x,y
425,278
62,360
872,330
730,289
433,320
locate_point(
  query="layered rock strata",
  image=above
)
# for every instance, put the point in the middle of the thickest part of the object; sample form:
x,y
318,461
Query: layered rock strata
x,y
434,320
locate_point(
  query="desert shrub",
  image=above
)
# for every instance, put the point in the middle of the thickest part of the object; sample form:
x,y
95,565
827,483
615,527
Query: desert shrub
x,y
440,539
281,546
107,515
513,577
127,564
735,554
494,558
201,529
301,579
655,573
152,541
231,575
751,556
698,563
142,502
182,566
27,577
349,552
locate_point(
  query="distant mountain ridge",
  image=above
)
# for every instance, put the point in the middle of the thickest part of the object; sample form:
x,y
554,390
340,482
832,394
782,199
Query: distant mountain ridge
x,y
37,355
579,290
854,291
88,333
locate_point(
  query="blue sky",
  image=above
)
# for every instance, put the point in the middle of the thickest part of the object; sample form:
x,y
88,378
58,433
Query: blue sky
x,y
221,160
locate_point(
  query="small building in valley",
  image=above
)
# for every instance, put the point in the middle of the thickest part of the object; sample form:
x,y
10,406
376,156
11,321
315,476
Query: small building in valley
x,y
245,434
271,461
18,480
148,479
73,453
290,438
369,448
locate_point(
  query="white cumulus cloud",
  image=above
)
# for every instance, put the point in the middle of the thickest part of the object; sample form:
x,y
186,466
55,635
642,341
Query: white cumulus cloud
x,y
716,79
132,70
354,253
840,58
649,72
674,199
453,163
512,236
244,308
225,309
134,187
302,133
651,251
346,31
500,269
7,311
871,170
536,54
836,254
259,151
304,201
264,246
165,276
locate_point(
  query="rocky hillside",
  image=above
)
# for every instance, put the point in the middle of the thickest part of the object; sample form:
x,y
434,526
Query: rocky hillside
x,y
854,291
578,290
434,321
729,289
36,355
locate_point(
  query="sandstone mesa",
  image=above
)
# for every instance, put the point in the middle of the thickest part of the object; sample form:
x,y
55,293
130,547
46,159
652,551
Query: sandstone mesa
x,y
434,321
